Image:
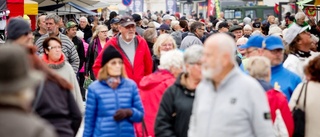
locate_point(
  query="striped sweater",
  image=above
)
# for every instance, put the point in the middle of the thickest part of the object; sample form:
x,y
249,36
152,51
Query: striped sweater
x,y
68,49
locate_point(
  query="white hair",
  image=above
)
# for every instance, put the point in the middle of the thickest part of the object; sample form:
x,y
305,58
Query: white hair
x,y
247,27
299,15
256,32
172,58
83,18
242,40
193,54
259,67
314,38
246,21
226,45
80,34
174,23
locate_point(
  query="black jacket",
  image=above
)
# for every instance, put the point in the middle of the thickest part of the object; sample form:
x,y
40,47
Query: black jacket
x,y
87,32
36,35
155,63
59,108
174,111
80,49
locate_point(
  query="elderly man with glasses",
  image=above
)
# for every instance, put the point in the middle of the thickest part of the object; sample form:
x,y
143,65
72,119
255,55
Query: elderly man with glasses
x,y
133,48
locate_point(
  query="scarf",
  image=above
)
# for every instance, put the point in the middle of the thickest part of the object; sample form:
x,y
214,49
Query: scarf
x,y
54,65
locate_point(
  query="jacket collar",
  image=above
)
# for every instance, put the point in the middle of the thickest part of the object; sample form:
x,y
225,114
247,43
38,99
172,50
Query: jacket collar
x,y
55,65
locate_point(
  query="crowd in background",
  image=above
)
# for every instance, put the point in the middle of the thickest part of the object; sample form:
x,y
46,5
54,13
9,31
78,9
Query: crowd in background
x,y
161,74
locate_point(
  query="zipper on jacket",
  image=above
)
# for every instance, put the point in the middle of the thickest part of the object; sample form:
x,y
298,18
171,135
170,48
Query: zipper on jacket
x,y
117,108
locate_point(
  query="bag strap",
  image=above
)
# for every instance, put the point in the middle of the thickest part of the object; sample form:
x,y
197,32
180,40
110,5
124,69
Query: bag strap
x,y
300,94
37,98
305,97
144,129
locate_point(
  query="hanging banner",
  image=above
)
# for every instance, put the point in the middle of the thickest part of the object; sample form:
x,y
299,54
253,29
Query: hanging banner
x,y
138,5
217,7
211,9
171,6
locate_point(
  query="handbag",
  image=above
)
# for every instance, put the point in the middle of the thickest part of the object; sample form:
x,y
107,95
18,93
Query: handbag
x,y
144,129
87,82
299,117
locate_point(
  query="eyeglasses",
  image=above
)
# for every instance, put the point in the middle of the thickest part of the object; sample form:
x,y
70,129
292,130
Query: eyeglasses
x,y
201,29
250,51
130,26
57,47
105,31
196,63
277,51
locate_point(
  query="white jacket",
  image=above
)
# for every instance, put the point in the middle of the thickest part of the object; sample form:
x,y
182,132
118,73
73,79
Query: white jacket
x,y
296,64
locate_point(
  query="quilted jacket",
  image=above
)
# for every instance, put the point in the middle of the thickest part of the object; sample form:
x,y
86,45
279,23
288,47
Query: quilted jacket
x,y
102,104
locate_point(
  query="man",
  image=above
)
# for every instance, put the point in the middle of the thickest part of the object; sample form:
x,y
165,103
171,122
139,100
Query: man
x,y
68,48
62,28
41,30
19,32
154,19
85,28
163,29
197,30
281,78
228,103
71,32
133,48
252,48
114,23
223,27
138,20
167,19
237,31
300,19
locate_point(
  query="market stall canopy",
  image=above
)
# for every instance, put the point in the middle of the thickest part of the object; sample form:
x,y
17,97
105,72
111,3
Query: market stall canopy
x,y
57,6
15,7
30,7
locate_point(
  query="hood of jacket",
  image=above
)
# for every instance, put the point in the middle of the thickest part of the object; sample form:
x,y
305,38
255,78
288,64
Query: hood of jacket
x,y
154,79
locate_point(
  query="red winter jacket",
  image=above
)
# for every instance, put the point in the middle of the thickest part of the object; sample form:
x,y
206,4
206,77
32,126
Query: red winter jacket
x,y
277,100
142,60
152,87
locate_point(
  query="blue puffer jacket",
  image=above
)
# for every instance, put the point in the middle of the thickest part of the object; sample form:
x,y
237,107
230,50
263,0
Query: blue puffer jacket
x,y
102,104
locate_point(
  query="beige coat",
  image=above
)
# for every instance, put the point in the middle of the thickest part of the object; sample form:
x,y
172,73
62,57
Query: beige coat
x,y
17,123
312,107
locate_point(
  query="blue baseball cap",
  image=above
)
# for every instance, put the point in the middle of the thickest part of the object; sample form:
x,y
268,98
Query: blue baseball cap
x,y
253,41
272,43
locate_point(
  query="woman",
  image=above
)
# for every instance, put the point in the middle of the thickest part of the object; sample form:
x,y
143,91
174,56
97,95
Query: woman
x,y
154,85
164,43
176,104
55,59
177,33
113,101
260,68
150,35
311,89
98,41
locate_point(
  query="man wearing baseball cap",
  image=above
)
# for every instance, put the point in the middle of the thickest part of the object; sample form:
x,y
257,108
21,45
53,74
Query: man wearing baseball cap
x,y
281,78
252,48
114,23
71,33
133,48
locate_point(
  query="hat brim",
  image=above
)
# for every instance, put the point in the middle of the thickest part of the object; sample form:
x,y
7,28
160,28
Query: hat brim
x,y
128,23
273,47
245,46
31,80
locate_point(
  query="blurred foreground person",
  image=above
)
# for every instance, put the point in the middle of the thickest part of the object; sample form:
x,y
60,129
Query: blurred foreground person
x,y
176,104
17,81
259,67
113,101
56,103
229,103
153,86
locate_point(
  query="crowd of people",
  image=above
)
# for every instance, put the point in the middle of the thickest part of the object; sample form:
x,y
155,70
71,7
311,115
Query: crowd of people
x,y
161,75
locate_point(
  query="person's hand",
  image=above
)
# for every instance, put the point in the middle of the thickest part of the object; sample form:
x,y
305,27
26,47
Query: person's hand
x,y
122,113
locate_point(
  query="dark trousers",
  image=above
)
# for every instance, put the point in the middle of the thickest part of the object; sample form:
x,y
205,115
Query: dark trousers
x,y
81,81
